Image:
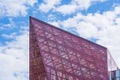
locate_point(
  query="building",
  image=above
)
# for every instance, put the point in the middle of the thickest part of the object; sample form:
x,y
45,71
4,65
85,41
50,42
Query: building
x,y
115,75
56,54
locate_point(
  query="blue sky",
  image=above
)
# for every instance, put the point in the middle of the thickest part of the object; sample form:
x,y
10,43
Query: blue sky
x,y
95,20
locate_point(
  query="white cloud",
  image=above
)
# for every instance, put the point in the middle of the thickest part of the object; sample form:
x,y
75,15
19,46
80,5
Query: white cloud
x,y
76,5
14,7
10,36
55,23
51,17
67,9
84,4
14,58
11,24
48,5
103,27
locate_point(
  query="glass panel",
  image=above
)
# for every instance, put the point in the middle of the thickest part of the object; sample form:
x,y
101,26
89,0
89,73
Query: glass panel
x,y
71,57
59,40
66,36
47,28
57,32
118,73
49,36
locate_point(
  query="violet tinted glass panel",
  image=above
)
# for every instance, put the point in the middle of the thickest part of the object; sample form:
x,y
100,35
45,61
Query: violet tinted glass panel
x,y
60,55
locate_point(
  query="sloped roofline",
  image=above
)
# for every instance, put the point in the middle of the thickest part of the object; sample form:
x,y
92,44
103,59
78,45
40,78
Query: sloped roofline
x,y
66,31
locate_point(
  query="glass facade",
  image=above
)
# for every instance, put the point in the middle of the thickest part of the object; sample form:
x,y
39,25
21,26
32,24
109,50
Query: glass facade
x,y
58,55
111,66
115,75
118,74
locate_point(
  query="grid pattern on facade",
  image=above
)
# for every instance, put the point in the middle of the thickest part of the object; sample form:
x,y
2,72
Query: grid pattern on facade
x,y
37,70
115,75
65,56
112,67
